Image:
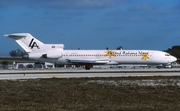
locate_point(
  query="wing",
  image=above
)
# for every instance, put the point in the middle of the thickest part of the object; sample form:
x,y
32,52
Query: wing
x,y
89,61
93,62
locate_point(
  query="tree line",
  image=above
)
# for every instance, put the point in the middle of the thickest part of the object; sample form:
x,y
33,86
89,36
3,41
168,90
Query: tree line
x,y
17,53
175,51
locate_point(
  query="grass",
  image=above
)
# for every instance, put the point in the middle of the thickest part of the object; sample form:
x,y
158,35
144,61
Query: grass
x,y
87,94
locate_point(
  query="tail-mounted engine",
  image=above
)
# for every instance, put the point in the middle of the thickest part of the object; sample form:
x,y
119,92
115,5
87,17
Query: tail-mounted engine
x,y
52,56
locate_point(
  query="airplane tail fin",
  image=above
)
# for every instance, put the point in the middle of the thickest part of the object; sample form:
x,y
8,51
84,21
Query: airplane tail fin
x,y
26,41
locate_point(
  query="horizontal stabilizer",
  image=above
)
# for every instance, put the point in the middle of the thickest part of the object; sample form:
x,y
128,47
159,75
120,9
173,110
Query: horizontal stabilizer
x,y
16,36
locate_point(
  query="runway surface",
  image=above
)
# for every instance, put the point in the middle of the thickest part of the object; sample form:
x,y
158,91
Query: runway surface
x,y
77,73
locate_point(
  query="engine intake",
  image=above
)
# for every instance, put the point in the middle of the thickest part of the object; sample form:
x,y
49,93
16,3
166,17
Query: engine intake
x,y
52,56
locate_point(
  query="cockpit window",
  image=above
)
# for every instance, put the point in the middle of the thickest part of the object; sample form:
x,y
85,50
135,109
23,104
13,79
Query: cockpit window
x,y
167,54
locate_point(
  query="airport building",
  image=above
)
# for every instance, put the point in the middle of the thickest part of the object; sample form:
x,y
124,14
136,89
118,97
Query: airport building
x,y
25,65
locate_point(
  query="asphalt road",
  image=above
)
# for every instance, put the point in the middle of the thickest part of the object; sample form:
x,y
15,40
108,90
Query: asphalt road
x,y
70,73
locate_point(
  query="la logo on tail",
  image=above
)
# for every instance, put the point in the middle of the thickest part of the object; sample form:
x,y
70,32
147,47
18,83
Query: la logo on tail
x,y
33,44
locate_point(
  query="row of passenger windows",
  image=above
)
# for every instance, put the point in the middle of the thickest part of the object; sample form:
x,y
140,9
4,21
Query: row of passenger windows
x,y
102,55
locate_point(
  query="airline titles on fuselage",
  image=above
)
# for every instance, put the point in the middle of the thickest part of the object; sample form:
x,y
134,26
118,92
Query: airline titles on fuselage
x,y
132,53
111,53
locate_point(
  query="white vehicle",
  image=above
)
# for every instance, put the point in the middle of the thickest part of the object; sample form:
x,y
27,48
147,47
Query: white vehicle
x,y
55,53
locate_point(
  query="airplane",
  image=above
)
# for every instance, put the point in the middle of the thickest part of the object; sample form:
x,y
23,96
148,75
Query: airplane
x,y
55,53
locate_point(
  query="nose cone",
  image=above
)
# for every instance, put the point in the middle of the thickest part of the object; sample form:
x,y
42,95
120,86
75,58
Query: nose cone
x,y
173,59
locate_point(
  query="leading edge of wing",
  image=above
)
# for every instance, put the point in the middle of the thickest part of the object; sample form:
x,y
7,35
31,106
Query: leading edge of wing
x,y
93,62
89,61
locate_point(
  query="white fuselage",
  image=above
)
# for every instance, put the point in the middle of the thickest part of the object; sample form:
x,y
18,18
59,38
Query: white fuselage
x,y
110,57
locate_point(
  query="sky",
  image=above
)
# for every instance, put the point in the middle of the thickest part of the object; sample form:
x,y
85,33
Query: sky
x,y
92,24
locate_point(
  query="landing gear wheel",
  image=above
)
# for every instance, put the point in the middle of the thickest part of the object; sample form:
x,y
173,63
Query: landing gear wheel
x,y
159,67
88,67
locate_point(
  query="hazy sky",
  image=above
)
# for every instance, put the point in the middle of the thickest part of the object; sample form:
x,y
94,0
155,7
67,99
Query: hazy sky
x,y
92,24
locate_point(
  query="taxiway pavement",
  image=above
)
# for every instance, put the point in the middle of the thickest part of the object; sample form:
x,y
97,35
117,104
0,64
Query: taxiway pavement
x,y
77,73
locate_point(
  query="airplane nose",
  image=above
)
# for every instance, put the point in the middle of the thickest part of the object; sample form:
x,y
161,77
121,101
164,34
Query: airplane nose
x,y
174,59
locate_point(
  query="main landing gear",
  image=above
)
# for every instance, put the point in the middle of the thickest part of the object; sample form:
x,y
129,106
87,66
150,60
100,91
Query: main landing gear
x,y
159,67
88,67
